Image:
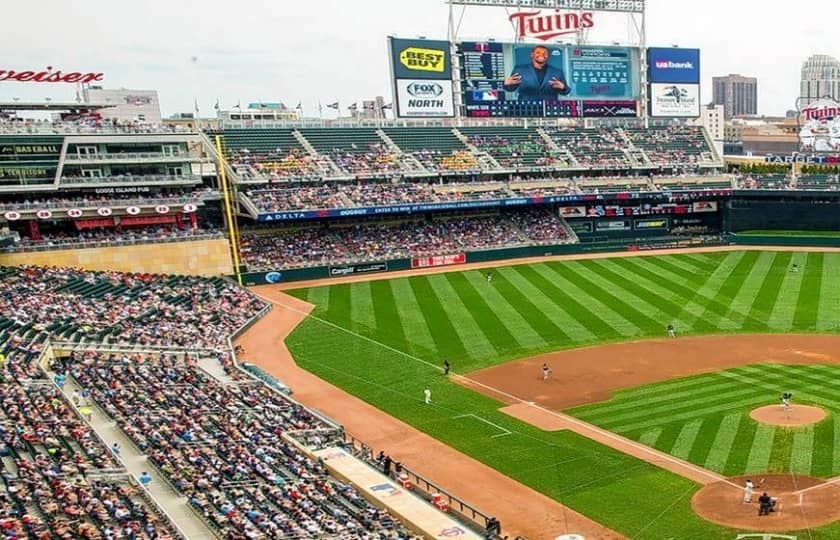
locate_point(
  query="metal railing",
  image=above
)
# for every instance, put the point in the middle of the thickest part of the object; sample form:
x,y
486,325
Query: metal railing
x,y
82,244
89,204
125,179
129,156
475,518
71,128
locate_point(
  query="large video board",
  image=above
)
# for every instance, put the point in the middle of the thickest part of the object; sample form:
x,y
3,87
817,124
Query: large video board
x,y
536,80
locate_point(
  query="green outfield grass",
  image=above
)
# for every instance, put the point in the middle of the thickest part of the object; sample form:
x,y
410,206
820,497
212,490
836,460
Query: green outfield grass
x,y
383,341
705,419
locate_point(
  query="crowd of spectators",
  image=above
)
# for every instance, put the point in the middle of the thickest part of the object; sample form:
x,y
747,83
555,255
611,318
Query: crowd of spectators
x,y
223,448
541,226
376,159
672,144
118,307
369,241
371,194
48,453
296,247
599,147
278,164
299,198
530,150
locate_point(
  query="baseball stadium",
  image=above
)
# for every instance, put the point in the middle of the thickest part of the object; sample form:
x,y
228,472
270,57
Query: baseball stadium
x,y
540,302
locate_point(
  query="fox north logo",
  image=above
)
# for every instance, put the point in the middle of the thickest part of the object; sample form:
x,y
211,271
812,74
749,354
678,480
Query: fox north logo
x,y
425,90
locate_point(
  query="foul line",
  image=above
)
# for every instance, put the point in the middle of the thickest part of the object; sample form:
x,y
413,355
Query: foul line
x,y
570,419
486,421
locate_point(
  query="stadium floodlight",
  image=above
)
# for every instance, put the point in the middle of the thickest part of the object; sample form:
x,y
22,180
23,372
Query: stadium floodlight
x,y
621,6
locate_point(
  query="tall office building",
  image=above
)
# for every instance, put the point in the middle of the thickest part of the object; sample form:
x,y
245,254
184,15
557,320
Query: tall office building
x,y
820,78
737,94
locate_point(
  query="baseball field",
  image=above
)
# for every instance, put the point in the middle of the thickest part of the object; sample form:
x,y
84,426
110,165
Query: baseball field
x,y
690,397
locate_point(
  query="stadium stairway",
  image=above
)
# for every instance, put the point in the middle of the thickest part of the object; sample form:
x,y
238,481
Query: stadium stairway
x,y
408,163
135,463
324,163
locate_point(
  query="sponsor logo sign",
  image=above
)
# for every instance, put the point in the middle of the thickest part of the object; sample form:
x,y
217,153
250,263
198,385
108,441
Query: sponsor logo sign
x,y
545,25
424,98
420,59
49,76
672,65
610,109
351,269
820,130
572,211
273,277
675,100
438,260
705,206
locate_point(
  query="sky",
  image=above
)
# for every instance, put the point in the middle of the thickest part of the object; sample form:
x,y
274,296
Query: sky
x,y
310,52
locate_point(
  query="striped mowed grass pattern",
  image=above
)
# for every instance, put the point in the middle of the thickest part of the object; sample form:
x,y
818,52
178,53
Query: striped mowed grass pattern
x,y
705,419
529,309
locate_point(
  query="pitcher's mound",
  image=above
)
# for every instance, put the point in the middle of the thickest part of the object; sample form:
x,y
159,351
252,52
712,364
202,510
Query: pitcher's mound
x,y
722,503
797,415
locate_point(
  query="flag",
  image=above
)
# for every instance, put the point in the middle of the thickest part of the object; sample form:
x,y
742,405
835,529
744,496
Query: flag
x,y
196,107
369,105
352,107
299,106
216,106
238,105
333,105
387,106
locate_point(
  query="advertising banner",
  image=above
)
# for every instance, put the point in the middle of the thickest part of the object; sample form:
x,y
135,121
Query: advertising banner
x,y
438,260
705,206
352,269
534,80
672,65
295,215
820,131
420,59
675,100
648,224
623,225
610,109
572,211
584,227
424,98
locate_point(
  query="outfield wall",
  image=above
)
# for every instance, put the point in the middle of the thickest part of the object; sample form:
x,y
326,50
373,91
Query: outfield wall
x,y
210,257
815,211
379,267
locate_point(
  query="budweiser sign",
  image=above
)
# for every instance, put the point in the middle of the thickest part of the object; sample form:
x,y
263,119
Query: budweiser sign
x,y
535,24
49,76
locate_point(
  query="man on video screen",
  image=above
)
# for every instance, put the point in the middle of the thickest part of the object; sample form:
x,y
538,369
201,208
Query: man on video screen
x,y
537,80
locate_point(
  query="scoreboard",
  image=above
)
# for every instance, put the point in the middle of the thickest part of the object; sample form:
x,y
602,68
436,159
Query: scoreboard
x,y
606,76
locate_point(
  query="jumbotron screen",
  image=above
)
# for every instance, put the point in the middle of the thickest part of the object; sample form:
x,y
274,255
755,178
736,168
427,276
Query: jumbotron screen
x,y
536,80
